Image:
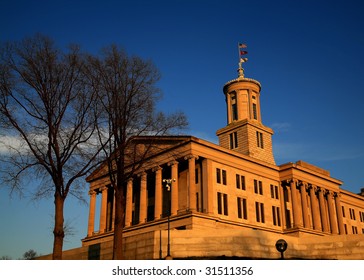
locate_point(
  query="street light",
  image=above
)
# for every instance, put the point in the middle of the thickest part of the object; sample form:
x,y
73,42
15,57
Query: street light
x,y
281,246
168,183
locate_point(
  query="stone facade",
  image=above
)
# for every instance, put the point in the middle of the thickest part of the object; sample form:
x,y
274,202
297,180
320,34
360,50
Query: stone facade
x,y
226,200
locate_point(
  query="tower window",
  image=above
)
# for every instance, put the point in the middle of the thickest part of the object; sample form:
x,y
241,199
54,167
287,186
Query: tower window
x,y
233,140
234,107
255,116
260,142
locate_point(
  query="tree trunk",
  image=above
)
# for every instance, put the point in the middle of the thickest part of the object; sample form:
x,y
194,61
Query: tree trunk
x,y
58,231
119,222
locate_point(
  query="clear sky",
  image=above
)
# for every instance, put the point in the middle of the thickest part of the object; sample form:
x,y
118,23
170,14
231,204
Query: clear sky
x,y
308,56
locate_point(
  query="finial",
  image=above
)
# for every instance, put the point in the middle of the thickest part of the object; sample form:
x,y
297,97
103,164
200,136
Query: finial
x,y
242,59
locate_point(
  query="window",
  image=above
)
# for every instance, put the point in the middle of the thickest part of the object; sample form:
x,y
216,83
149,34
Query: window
x,y
355,229
240,182
224,177
361,214
218,175
242,208
274,191
258,187
234,107
255,111
342,207
196,176
352,214
222,203
259,212
233,140
260,143
276,216
221,176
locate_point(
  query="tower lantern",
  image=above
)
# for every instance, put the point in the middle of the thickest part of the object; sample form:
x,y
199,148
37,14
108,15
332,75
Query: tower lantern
x,y
245,132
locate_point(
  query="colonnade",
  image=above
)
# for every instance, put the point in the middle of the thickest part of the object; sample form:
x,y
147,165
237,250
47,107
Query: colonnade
x,y
315,207
107,210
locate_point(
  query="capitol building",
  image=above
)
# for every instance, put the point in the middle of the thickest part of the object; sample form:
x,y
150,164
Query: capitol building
x,y
194,199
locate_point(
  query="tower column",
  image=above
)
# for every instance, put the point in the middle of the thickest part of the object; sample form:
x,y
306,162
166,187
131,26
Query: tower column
x,y
129,203
339,213
315,209
325,226
91,215
332,216
158,193
174,187
306,220
103,209
143,198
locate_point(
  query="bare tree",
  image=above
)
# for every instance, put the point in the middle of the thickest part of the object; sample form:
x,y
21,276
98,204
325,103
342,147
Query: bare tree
x,y
128,95
30,254
47,121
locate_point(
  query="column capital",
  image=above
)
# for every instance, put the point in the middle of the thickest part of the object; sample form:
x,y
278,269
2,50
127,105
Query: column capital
x,y
142,173
191,157
104,188
172,162
313,187
330,193
92,192
156,168
321,189
303,185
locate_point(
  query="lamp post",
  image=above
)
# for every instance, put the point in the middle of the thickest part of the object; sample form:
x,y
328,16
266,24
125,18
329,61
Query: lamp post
x,y
168,185
281,246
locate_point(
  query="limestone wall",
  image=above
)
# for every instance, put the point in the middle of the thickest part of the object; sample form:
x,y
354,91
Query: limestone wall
x,y
219,243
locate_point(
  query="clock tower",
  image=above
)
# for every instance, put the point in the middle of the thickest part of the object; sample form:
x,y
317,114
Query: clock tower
x,y
245,132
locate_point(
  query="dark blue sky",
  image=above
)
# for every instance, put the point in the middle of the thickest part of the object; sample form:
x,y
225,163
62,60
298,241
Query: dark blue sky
x,y
308,56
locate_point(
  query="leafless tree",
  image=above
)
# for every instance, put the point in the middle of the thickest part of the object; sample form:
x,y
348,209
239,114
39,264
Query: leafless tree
x,y
128,95
47,122
30,254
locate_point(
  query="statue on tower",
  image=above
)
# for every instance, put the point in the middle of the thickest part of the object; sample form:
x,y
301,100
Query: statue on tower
x,y
242,52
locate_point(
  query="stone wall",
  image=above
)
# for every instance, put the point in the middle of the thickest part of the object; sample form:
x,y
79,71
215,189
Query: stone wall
x,y
222,243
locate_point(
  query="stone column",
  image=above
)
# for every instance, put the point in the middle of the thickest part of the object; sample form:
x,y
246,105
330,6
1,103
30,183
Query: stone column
x,y
191,182
332,215
297,214
129,203
306,220
174,187
91,215
143,198
208,185
158,193
339,213
325,226
283,204
103,209
315,209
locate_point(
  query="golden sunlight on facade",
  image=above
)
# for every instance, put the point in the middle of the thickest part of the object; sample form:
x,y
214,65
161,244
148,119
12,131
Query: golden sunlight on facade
x,y
226,200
